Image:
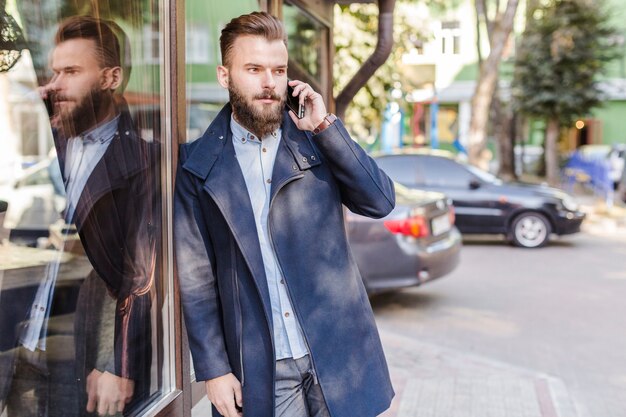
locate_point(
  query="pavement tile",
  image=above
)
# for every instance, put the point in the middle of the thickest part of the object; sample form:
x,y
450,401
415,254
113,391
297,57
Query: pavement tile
x,y
433,381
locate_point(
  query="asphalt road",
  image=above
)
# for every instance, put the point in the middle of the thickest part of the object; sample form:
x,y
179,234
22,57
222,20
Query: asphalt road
x,y
559,310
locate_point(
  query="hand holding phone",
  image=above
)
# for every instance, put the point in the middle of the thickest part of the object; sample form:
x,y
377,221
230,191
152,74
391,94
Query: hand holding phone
x,y
313,110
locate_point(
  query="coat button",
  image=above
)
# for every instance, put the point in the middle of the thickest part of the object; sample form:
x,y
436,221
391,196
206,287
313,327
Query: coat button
x,y
221,137
304,159
295,167
313,157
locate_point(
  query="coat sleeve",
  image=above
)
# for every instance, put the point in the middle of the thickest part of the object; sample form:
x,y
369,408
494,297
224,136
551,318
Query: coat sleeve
x,y
365,188
195,260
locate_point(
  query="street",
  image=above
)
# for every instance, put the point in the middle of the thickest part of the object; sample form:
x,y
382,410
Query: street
x,y
513,332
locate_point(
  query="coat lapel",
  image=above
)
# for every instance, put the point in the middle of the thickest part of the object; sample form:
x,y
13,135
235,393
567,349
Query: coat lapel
x,y
295,154
214,160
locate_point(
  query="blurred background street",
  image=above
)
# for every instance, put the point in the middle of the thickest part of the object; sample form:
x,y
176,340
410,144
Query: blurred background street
x,y
514,332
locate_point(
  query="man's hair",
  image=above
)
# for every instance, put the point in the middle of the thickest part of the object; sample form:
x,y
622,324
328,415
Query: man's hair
x,y
254,24
100,31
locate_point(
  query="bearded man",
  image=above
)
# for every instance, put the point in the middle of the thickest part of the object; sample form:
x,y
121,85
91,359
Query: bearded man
x,y
277,316
109,177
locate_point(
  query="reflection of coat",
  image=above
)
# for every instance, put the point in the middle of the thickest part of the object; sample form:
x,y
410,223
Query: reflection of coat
x,y
222,279
117,220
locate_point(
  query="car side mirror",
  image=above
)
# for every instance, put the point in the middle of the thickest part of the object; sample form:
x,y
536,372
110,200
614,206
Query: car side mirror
x,y
474,184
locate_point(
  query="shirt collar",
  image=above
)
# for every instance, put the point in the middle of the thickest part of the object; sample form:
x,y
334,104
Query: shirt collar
x,y
243,135
103,133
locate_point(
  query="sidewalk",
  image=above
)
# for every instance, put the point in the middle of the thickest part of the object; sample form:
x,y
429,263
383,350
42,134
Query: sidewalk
x,y
431,381
600,217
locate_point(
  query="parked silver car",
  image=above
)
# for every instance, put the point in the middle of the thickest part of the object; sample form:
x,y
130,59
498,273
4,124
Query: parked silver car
x,y
417,242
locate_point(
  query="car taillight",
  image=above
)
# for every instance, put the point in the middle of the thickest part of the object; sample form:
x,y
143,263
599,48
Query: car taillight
x,y
451,215
415,226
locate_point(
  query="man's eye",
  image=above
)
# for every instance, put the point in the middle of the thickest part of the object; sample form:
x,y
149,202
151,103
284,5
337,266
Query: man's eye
x,y
280,71
253,69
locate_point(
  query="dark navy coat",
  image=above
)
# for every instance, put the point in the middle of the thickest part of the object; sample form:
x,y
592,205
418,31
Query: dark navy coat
x,y
222,280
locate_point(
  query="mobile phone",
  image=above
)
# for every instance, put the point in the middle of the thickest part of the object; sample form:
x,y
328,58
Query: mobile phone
x,y
293,103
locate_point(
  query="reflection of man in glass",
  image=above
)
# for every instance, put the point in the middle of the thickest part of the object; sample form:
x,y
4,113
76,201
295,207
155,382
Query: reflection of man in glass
x,y
110,198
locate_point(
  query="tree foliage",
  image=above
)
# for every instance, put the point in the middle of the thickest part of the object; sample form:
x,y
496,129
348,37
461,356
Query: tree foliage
x,y
564,48
355,37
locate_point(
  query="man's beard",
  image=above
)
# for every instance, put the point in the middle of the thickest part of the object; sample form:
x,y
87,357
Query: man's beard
x,y
260,122
85,113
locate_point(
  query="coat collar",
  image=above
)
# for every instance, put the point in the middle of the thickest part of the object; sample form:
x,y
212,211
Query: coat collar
x,y
212,159
209,147
126,156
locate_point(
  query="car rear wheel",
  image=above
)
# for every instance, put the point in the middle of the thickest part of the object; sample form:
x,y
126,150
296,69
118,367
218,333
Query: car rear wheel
x,y
530,230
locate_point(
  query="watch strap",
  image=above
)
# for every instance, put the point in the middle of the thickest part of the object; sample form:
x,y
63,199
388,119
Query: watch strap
x,y
329,119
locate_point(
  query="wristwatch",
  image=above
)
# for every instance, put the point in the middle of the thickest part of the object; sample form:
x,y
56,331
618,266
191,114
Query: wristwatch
x,y
329,119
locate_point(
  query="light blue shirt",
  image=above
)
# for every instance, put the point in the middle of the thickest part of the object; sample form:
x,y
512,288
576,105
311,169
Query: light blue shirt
x,y
256,159
82,155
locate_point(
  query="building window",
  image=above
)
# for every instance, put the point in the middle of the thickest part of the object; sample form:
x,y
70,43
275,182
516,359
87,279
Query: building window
x,y
450,37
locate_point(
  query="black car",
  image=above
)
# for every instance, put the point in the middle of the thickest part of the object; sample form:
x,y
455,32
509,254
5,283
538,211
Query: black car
x,y
417,242
525,213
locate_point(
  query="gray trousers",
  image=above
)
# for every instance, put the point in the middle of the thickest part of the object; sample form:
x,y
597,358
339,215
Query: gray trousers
x,y
297,393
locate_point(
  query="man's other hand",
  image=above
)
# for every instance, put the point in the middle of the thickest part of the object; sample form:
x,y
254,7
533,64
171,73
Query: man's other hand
x,y
108,393
223,392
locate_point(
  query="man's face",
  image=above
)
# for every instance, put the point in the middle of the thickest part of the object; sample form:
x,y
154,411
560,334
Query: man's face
x,y
76,90
257,82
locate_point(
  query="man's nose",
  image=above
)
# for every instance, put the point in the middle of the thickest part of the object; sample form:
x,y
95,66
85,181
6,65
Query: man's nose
x,y
269,81
55,83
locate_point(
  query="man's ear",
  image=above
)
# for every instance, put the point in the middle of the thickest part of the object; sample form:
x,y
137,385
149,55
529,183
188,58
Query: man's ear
x,y
222,76
111,78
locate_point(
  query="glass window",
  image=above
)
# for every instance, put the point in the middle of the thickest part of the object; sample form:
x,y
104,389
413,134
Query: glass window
x,y
307,38
82,290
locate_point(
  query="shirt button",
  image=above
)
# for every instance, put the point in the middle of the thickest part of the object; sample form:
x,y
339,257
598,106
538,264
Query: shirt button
x,y
269,180
40,308
252,137
282,281
287,314
264,150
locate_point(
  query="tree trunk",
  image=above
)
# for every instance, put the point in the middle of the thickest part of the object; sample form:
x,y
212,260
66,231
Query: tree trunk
x,y
486,83
378,57
503,129
551,151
